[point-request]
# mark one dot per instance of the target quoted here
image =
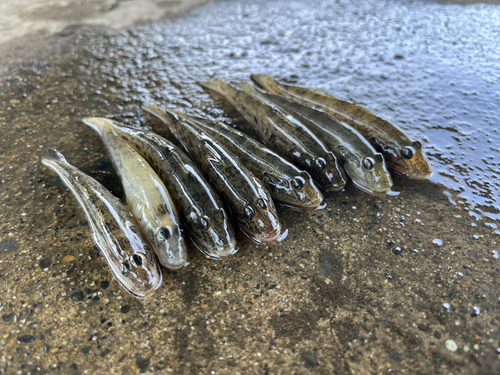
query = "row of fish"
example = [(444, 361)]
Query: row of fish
[(168, 192)]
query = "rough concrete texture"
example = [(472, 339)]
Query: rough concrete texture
[(371, 284)]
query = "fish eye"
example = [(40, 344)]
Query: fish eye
[(138, 259), (368, 163), (163, 234), (408, 152), (320, 164), (125, 269), (261, 203), (205, 220), (298, 183), (249, 212)]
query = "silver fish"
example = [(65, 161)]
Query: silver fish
[(200, 208), (146, 196), (113, 230)]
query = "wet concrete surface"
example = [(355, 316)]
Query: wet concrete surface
[(371, 284)]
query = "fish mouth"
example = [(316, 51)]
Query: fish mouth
[(224, 251), (217, 252), (175, 264), (268, 236), (372, 188)]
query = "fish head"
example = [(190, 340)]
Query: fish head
[(411, 161), (259, 219), (327, 172), (213, 235), (134, 265), (168, 241), (369, 173), (298, 191)]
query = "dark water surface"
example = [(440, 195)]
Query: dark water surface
[(371, 284)]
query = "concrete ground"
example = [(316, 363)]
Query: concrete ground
[(371, 284)]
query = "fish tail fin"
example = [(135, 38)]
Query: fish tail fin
[(161, 114), (54, 157), (245, 86), (263, 80), (97, 123), (216, 85)]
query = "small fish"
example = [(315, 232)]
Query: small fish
[(249, 202), (290, 138), (285, 182), (113, 229), (146, 196), (401, 153), (201, 210), (363, 164)]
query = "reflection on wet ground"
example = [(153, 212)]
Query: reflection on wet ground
[(377, 283)]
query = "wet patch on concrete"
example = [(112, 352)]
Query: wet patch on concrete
[(369, 284)]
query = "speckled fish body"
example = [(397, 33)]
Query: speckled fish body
[(364, 165), (285, 182), (147, 197), (401, 153), (200, 208), (287, 136), (113, 229), (249, 202)]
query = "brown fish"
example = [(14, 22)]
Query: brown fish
[(402, 154), (286, 135), (249, 202), (286, 183)]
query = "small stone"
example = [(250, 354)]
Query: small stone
[(68, 258), (45, 263), (26, 338), (451, 345), (104, 284), (437, 242), (77, 296)]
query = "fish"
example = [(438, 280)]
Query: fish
[(362, 163), (200, 209), (287, 136), (286, 183), (402, 154), (113, 229), (146, 197), (248, 200)]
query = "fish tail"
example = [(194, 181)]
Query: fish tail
[(263, 80), (54, 157), (97, 123), (217, 85), (245, 86), (161, 114)]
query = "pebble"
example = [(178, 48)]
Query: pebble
[(77, 296), (437, 241), (451, 345), (68, 258)]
